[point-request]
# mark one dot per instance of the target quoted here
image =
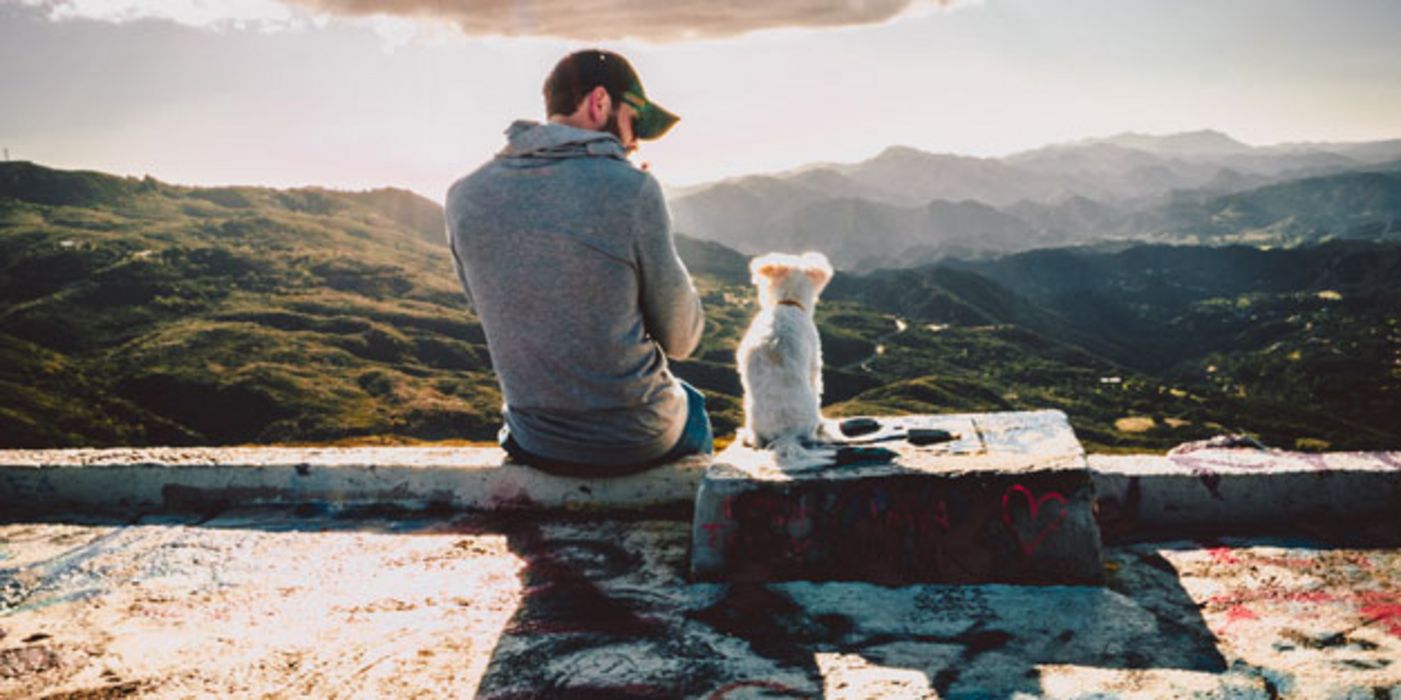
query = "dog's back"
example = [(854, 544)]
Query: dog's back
[(780, 359), (777, 360)]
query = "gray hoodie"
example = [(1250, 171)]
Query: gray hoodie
[(565, 251)]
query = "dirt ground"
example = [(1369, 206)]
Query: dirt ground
[(311, 602)]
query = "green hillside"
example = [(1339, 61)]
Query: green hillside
[(138, 312), (1363, 205)]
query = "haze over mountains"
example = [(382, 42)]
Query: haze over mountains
[(908, 207), (133, 311)]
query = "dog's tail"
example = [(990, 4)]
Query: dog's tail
[(793, 454)]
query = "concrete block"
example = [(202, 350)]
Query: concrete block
[(1009, 499), (1218, 489), (127, 480)]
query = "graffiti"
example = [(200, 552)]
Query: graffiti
[(1209, 466), (1381, 608), (894, 531), (65, 578), (1117, 518), (1034, 504), (1378, 607), (1222, 553), (1031, 434), (1204, 470), (759, 517)]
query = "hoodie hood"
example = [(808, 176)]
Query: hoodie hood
[(531, 139)]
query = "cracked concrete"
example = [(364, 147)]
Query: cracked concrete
[(319, 601)]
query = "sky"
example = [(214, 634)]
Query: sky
[(357, 94)]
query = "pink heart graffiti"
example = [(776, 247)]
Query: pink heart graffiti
[(1034, 504)]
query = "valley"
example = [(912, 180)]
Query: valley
[(135, 312)]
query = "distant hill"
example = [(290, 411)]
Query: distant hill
[(134, 311), (906, 207), (1356, 205)]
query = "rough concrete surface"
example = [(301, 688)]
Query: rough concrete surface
[(126, 479), (1007, 498), (1214, 487), (279, 602)]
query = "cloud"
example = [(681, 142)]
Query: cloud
[(586, 20), (266, 15), (652, 20)]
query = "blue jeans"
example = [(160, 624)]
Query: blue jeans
[(696, 438)]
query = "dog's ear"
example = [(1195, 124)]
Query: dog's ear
[(816, 267), (768, 267)]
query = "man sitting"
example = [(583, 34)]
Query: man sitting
[(565, 250)]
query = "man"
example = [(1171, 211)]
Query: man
[(565, 250)]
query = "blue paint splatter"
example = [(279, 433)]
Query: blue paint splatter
[(40, 584)]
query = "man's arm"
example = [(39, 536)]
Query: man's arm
[(461, 273), (450, 219), (671, 307)]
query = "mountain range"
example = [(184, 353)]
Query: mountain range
[(137, 312), (906, 207)]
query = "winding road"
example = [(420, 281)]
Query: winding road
[(864, 364)]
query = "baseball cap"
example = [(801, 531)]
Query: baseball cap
[(582, 71)]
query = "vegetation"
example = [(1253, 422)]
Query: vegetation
[(138, 312)]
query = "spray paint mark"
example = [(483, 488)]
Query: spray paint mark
[(1223, 555), (1381, 607), (1388, 458), (1240, 612), (1209, 477), (21, 587), (1029, 546)]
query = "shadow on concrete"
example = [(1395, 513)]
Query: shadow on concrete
[(607, 612)]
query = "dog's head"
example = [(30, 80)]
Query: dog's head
[(800, 278)]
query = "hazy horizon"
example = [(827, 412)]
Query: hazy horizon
[(371, 94)]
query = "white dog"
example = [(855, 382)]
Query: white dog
[(780, 360)]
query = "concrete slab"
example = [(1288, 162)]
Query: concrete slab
[(1009, 499), (297, 603), (1221, 489), (133, 480)]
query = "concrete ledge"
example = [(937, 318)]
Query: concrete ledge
[(1009, 500), (1198, 490), (412, 477), (1222, 488)]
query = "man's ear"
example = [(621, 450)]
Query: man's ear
[(600, 105)]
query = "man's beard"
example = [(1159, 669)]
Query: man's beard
[(611, 126)]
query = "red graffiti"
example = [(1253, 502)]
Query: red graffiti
[(1034, 504), (712, 531), (1223, 555), (1381, 607), (1240, 612), (1374, 607), (1242, 597), (941, 515)]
